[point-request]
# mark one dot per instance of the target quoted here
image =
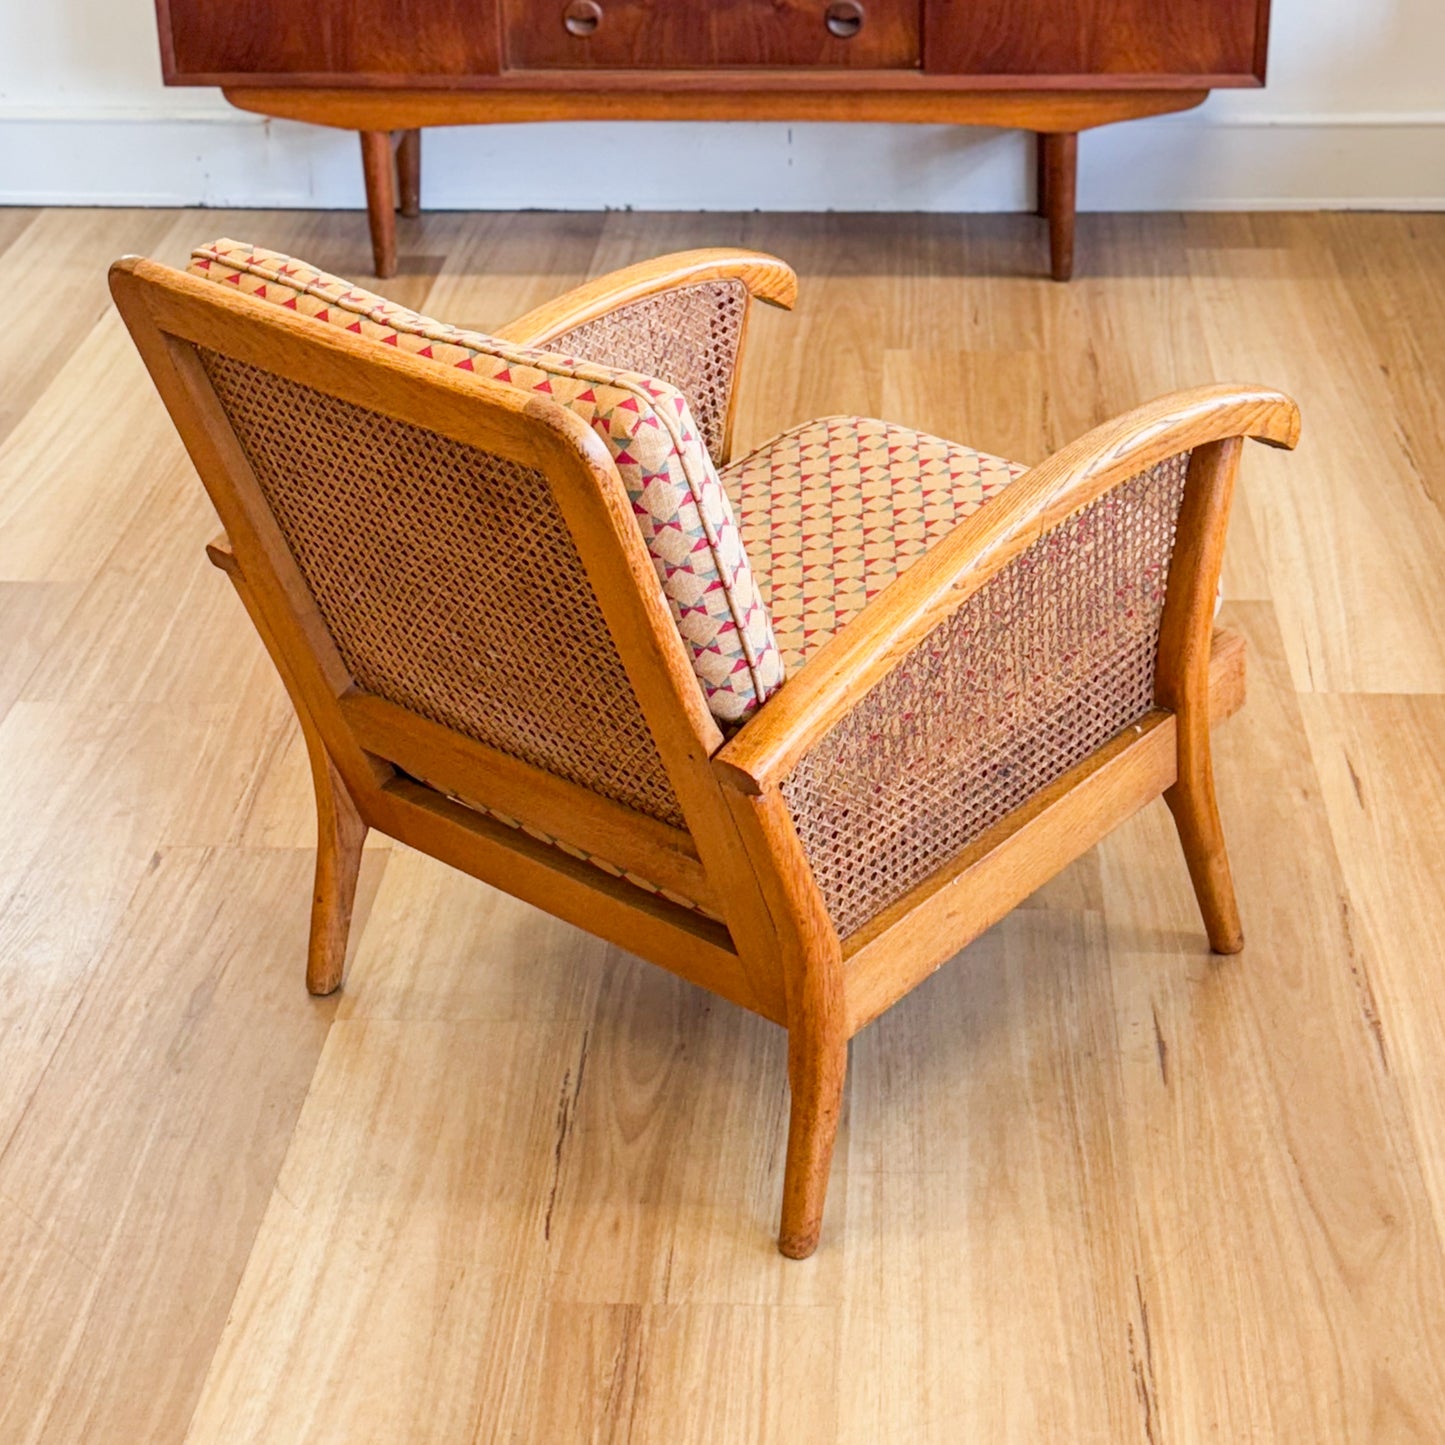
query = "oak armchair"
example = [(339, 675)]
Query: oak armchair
[(797, 729)]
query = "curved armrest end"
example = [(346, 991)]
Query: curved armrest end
[(1164, 427), (766, 277)]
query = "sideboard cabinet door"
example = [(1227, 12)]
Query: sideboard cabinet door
[(1148, 39), (215, 41), (690, 34)]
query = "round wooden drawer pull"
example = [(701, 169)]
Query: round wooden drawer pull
[(582, 17), (844, 18)]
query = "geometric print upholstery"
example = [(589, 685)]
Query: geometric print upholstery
[(833, 510), (680, 505)]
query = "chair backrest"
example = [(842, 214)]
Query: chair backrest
[(660, 453), (446, 569), (448, 581)]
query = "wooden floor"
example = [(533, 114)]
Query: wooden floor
[(513, 1185)]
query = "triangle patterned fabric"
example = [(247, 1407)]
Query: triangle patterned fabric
[(681, 507), (833, 510)]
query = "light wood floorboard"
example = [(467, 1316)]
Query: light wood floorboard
[(1093, 1184)]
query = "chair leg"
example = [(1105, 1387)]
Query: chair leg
[(817, 1069), (1196, 816), (379, 168), (340, 834)]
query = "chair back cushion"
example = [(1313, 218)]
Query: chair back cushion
[(684, 515)]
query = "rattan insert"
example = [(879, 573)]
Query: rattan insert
[(1048, 661), (688, 338), (449, 581)]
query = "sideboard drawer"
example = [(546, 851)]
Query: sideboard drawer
[(1141, 39), (682, 34), (210, 41)]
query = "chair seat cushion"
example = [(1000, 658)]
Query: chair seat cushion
[(681, 507), (833, 510)]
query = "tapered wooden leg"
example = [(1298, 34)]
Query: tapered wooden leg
[(1196, 815), (1060, 169), (340, 829), (408, 172), (1041, 178), (340, 834), (1181, 682), (817, 1069), (380, 171)]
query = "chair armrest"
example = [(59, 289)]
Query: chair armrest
[(765, 277), (680, 318), (837, 678)]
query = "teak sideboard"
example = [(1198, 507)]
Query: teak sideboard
[(388, 68)]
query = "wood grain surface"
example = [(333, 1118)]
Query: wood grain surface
[(1092, 1183)]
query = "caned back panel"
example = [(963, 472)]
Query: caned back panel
[(688, 337), (1045, 663), (449, 582)]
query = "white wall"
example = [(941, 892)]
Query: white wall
[(1354, 115)]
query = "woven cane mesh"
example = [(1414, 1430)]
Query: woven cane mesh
[(1038, 669), (688, 337), (449, 582)]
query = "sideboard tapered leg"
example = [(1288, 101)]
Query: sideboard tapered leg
[(1041, 171), (1060, 167), (408, 172), (380, 171)]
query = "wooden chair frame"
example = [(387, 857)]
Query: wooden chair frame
[(778, 953)]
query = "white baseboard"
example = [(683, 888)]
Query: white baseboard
[(1196, 161)]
